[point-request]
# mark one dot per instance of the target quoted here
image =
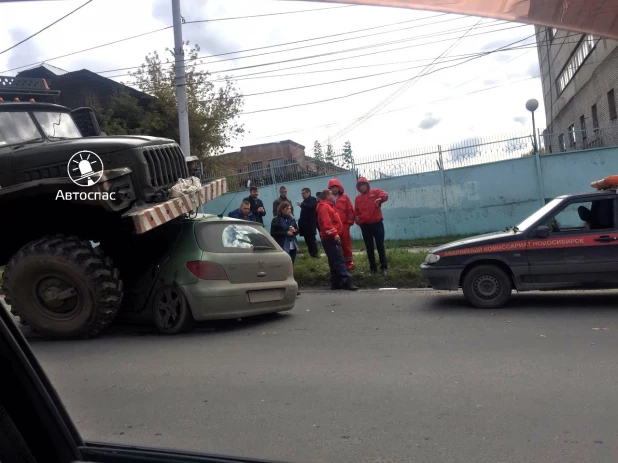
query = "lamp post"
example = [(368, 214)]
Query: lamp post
[(532, 105)]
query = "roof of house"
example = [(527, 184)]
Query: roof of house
[(48, 67)]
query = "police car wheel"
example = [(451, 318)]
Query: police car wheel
[(487, 287)]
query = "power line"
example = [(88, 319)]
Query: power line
[(156, 88), (350, 94), (404, 108), (268, 14), (350, 50), (91, 48), (340, 59), (291, 43), (170, 27), (400, 91), (45, 28), (345, 80)]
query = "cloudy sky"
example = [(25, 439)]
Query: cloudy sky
[(342, 54)]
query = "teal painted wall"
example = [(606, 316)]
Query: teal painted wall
[(479, 199), (270, 192)]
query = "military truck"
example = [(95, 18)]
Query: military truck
[(82, 214)]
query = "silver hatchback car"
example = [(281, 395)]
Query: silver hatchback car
[(221, 268)]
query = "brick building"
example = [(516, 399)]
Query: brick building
[(580, 81), (259, 157), (269, 163)]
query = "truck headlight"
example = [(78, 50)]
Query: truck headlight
[(432, 258)]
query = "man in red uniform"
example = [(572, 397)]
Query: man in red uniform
[(330, 234), (368, 213), (343, 205)]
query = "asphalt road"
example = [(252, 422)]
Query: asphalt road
[(390, 376)]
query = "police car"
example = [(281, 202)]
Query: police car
[(570, 243)]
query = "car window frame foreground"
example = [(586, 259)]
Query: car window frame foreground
[(44, 424)]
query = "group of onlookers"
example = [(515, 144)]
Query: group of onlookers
[(333, 214)]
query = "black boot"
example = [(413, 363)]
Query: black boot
[(350, 287)]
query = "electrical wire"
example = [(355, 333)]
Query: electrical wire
[(45, 28), (292, 49), (241, 77), (170, 27), (505, 48), (268, 14), (402, 108), (400, 91), (346, 51)]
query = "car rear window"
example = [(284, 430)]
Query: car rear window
[(233, 237)]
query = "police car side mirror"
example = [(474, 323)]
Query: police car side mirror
[(542, 231)]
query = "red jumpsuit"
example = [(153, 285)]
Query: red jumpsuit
[(345, 209)]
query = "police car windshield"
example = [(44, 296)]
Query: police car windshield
[(538, 214), (57, 125)]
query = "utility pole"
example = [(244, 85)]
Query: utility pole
[(181, 81)]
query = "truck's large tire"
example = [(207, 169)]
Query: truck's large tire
[(45, 268)]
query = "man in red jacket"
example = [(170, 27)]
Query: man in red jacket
[(368, 213), (331, 229), (343, 205)]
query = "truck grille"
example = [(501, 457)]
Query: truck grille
[(166, 164)]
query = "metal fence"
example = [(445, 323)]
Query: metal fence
[(468, 152), (281, 172)]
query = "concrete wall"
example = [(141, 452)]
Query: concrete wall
[(477, 199)]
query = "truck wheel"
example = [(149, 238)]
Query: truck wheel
[(487, 287), (62, 287), (171, 312)]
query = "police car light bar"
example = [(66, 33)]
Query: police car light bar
[(608, 183), (25, 86)]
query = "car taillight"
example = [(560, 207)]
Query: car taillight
[(207, 270)]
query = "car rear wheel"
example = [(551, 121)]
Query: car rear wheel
[(487, 287), (171, 311)]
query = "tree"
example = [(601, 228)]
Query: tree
[(123, 115), (347, 160), (213, 110), (319, 156), (329, 156)]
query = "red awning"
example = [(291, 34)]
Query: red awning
[(597, 17)]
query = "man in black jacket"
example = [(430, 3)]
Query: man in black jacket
[(283, 196), (307, 223), (257, 206)]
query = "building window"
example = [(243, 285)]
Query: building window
[(572, 139), (611, 102), (561, 142), (576, 61), (256, 165), (551, 31), (595, 118), (582, 126), (239, 170)]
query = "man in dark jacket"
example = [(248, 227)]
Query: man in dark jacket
[(283, 196), (307, 223), (243, 213), (257, 206)]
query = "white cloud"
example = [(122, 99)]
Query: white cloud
[(461, 93)]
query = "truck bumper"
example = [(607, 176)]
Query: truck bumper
[(145, 218)]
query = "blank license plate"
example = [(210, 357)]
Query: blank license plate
[(266, 295)]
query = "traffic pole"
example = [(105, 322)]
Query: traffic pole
[(181, 81)]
